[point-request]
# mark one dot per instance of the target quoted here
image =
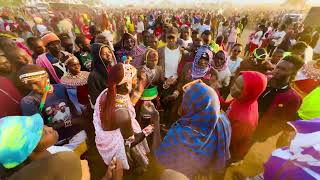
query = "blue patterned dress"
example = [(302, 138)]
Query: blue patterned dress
[(199, 141)]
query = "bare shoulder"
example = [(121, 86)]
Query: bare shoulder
[(122, 116)]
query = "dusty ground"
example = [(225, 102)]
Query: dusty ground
[(96, 164)]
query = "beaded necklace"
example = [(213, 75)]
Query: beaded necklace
[(75, 80)]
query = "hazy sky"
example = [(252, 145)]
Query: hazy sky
[(314, 2)]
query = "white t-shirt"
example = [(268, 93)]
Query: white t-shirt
[(171, 61), (224, 77), (233, 65), (308, 54), (140, 27), (279, 35), (256, 38), (233, 35)]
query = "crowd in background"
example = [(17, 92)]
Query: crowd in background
[(170, 94)]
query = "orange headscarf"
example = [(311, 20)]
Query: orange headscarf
[(48, 38)]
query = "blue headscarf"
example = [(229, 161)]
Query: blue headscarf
[(200, 139), (199, 72), (200, 104), (19, 136)]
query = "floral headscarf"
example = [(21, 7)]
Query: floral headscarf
[(199, 72)]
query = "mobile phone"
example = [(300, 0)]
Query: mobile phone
[(146, 119)]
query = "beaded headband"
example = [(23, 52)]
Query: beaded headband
[(34, 75), (129, 72)]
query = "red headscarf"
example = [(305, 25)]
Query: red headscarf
[(243, 113), (245, 108)]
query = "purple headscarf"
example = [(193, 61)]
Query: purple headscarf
[(199, 72)]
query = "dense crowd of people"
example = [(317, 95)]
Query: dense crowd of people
[(172, 94)]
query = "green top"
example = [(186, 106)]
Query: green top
[(86, 60), (309, 108)]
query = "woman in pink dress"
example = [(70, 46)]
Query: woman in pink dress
[(118, 133)]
